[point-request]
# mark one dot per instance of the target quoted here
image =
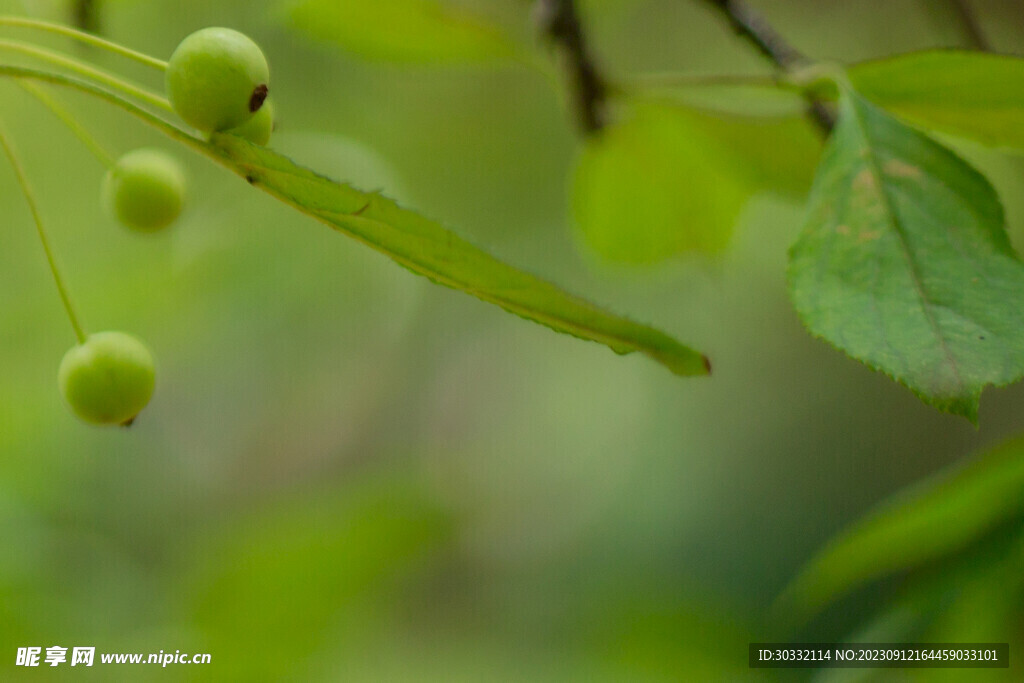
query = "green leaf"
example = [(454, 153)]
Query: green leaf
[(975, 95), (656, 637), (667, 180), (417, 31), (929, 521), (905, 265), (428, 249), (415, 242)]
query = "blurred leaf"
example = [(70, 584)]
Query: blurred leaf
[(668, 180), (929, 521), (648, 189), (971, 94), (660, 642), (905, 265), (402, 30), (281, 580), (428, 249), (774, 154), (973, 596), (986, 604)]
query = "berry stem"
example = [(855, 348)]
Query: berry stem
[(64, 80), (61, 112), (83, 37), (91, 72), (26, 189), (166, 127)]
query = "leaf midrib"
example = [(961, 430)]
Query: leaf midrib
[(871, 162), (661, 345)]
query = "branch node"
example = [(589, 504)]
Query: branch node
[(752, 27)]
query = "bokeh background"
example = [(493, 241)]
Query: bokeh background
[(348, 473)]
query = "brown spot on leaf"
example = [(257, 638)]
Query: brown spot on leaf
[(901, 169), (843, 229), (865, 181), (869, 235)]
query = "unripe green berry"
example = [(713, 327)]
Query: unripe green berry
[(217, 79), (109, 379), (259, 126), (145, 189)]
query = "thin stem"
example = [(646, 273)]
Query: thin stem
[(686, 80), (753, 28), (26, 189), (560, 23), (114, 98), (86, 70), (83, 37), (673, 88), (969, 25), (61, 112)]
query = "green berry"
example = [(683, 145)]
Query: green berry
[(145, 190), (217, 79), (259, 126), (109, 379)]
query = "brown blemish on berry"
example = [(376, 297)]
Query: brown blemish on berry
[(250, 179), (707, 364), (259, 96), (129, 422)]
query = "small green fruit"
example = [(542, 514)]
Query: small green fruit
[(109, 379), (217, 79), (259, 126), (145, 190)]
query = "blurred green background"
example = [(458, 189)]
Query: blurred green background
[(348, 473)]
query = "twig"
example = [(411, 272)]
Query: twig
[(969, 24), (753, 28), (51, 259), (559, 21)]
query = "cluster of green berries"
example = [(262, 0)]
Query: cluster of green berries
[(217, 82)]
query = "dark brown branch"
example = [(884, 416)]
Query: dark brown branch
[(559, 21), (753, 28), (969, 24)]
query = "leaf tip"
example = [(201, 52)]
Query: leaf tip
[(967, 409)]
